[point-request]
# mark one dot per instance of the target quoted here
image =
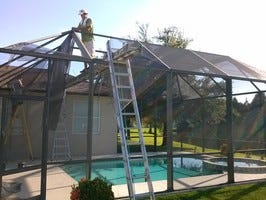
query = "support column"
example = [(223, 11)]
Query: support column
[(155, 114), (3, 123), (169, 110), (45, 134), (262, 105), (264, 124), (229, 131), (90, 121), (203, 129)]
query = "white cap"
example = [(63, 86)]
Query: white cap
[(82, 11)]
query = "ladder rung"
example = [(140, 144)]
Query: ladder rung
[(131, 127), (129, 143), (60, 132), (139, 176), (126, 100), (61, 146), (141, 195), (120, 74), (123, 87), (62, 153), (60, 141), (128, 113), (135, 159), (60, 138)]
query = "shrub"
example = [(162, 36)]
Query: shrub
[(92, 190)]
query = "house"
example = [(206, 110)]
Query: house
[(18, 146), (104, 138)]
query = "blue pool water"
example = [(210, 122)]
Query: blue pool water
[(113, 170)]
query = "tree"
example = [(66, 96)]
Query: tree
[(258, 100), (172, 37), (143, 32)]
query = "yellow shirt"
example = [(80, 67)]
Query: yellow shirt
[(86, 28)]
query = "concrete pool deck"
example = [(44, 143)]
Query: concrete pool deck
[(59, 183)]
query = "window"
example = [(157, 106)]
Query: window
[(80, 117)]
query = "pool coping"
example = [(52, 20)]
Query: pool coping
[(210, 164)]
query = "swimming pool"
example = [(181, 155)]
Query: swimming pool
[(113, 170)]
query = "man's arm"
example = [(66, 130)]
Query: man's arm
[(78, 28)]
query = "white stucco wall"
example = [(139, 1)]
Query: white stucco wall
[(102, 144)]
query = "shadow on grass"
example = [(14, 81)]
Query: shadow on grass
[(228, 193), (246, 191)]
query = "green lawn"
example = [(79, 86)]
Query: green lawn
[(149, 142), (255, 191)]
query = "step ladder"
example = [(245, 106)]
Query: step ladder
[(61, 148), (124, 97)]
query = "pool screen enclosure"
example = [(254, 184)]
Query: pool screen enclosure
[(164, 78)]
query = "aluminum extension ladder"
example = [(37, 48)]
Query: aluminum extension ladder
[(61, 148), (124, 95)]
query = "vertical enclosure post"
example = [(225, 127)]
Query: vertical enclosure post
[(3, 122), (169, 110), (155, 115), (229, 131), (262, 104), (264, 125), (45, 134), (203, 130), (90, 122)]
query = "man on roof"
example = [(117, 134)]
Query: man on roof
[(86, 28)]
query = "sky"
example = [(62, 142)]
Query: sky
[(229, 27)]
